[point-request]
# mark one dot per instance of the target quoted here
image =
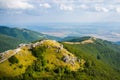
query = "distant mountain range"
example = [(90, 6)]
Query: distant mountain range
[(11, 37), (118, 42), (75, 39)]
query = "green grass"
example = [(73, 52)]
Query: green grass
[(40, 62), (43, 62), (7, 42), (98, 69), (8, 69)]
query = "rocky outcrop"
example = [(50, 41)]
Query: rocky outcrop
[(70, 59)]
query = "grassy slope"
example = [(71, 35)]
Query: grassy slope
[(21, 34), (105, 50), (7, 42), (98, 68), (48, 62), (53, 60), (25, 59), (24, 34), (11, 37), (75, 39)]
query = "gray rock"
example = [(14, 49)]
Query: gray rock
[(78, 60), (48, 47), (66, 59)]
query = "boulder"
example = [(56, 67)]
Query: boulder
[(66, 58)]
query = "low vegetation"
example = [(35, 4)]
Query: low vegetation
[(60, 61), (13, 60), (17, 64)]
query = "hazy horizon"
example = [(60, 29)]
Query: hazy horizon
[(107, 31), (99, 18)]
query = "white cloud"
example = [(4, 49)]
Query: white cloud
[(62, 5), (82, 6), (102, 5), (87, 1), (15, 4), (78, 1), (111, 7), (113, 1), (118, 9), (101, 9), (45, 5), (66, 8)]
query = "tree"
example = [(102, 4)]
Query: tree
[(13, 60)]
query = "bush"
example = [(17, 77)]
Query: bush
[(21, 66), (98, 57), (37, 52), (13, 60)]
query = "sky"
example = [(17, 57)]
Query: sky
[(43, 11)]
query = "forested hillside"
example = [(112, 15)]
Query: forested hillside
[(11, 37)]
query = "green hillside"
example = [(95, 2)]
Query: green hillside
[(11, 37), (46, 59), (17, 64), (102, 49), (88, 59), (7, 42), (75, 39), (102, 57), (22, 34)]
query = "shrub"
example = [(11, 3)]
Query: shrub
[(98, 57), (21, 66), (13, 60), (37, 52)]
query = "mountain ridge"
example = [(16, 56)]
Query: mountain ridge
[(59, 56), (19, 35), (73, 58)]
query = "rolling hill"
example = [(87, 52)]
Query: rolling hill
[(43, 59), (75, 39), (102, 57), (7, 42), (11, 37), (104, 50), (87, 59)]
